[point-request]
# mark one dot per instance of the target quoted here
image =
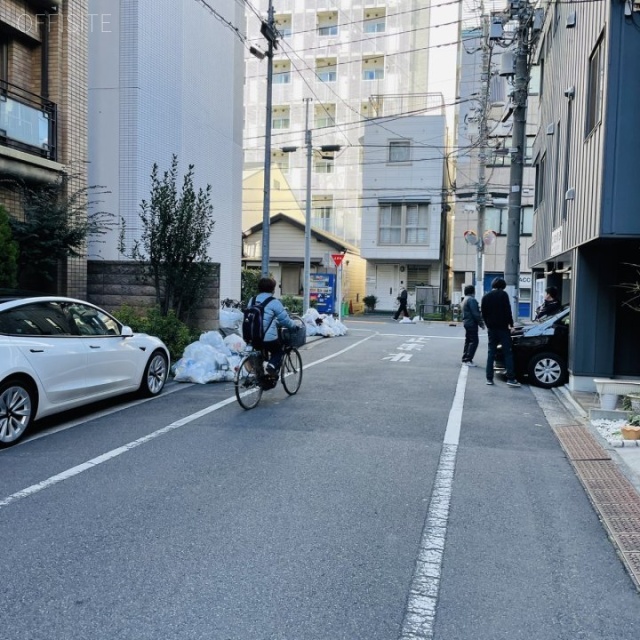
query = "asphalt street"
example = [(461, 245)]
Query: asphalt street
[(395, 497)]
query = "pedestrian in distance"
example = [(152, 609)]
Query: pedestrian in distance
[(471, 321), (275, 315), (551, 304), (402, 299), (496, 313)]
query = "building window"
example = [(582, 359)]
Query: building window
[(327, 22), (418, 276), (497, 219), (283, 24), (280, 159), (540, 181), (400, 151), (281, 118), (374, 20), (325, 115), (373, 68), (535, 80), (404, 224), (323, 165), (500, 155), (596, 87), (4, 58), (322, 213), (281, 72), (326, 69), (528, 151)]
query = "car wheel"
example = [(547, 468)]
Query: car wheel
[(155, 374), (17, 409), (547, 370)]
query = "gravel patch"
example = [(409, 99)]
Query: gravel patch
[(611, 431)]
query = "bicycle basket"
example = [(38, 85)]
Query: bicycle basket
[(294, 338)]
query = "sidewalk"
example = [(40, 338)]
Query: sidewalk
[(610, 475)]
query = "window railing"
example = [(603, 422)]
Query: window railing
[(27, 121)]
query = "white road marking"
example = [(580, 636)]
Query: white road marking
[(114, 453), (420, 616), (398, 357)]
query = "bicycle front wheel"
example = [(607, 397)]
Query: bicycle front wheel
[(291, 371), (248, 387)]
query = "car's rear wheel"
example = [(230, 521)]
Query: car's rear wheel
[(155, 374), (18, 404), (547, 370)]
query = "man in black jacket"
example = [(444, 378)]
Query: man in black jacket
[(471, 321), (402, 299), (496, 312)]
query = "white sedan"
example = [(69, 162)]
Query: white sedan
[(58, 353)]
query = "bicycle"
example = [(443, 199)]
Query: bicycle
[(251, 379)]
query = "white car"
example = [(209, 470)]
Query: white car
[(58, 353)]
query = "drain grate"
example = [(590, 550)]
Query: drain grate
[(623, 509), (611, 496), (597, 470), (579, 444), (633, 561)]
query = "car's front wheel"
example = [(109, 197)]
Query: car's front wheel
[(17, 409), (547, 370), (155, 374)]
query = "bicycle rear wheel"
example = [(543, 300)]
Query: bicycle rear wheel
[(248, 387), (291, 371)]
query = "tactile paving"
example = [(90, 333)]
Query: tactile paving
[(629, 542)]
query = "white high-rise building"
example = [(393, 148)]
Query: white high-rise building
[(166, 77), (347, 61)]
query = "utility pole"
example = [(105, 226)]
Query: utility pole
[(269, 31), (481, 199), (307, 218), (523, 13)]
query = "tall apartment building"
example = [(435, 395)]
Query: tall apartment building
[(168, 79), (355, 61), (43, 108), (492, 102)]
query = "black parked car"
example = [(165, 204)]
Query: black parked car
[(540, 350)]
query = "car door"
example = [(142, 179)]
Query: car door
[(114, 362), (57, 356)]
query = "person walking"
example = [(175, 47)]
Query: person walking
[(402, 299), (496, 313), (471, 321)]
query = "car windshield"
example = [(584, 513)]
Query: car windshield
[(539, 328)]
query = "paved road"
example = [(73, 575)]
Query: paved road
[(395, 497)]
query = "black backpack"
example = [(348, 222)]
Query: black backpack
[(252, 323)]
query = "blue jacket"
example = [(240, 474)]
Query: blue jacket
[(276, 310), (471, 317)]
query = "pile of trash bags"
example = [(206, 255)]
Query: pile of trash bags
[(215, 356)]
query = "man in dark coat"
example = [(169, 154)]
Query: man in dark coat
[(551, 304), (496, 312), (471, 321), (402, 299)]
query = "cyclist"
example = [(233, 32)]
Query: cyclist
[(275, 316)]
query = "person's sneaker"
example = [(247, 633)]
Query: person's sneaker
[(489, 381), (471, 363), (271, 370), (513, 383)]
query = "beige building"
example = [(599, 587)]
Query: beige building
[(43, 110)]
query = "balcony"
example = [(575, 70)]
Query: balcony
[(27, 121)]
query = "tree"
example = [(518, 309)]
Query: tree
[(172, 248), (55, 225), (249, 284), (8, 254)]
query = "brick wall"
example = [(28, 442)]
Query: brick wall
[(111, 284)]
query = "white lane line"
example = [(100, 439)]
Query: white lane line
[(114, 453), (420, 616)]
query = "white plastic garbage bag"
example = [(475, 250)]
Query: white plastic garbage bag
[(230, 318)]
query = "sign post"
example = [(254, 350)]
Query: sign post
[(338, 258)]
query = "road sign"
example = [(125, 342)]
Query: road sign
[(337, 258)]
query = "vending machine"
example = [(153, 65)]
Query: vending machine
[(322, 292)]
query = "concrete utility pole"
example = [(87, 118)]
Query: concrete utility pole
[(481, 198), (269, 31), (307, 225), (521, 90)]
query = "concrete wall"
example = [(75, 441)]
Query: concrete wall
[(111, 284)]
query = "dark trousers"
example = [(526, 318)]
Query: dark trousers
[(401, 309), (503, 337), (275, 351), (471, 341)]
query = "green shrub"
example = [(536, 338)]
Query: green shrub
[(370, 302), (172, 331), (293, 304)]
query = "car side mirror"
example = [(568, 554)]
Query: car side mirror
[(126, 332)]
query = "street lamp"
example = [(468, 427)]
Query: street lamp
[(324, 149)]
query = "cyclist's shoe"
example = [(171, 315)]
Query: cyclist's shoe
[(271, 370)]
